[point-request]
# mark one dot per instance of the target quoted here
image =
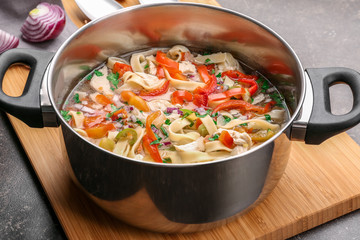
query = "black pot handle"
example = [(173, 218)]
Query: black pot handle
[(26, 107), (322, 123)]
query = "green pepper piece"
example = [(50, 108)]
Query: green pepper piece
[(127, 133)]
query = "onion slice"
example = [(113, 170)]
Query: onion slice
[(44, 22), (7, 41)]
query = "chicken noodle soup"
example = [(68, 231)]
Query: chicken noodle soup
[(175, 106)]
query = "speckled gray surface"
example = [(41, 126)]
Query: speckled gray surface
[(323, 33)]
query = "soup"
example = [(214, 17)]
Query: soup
[(175, 106)]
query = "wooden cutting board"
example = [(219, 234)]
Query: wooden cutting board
[(320, 183)]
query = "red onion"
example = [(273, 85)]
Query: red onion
[(44, 22), (171, 109), (7, 41)]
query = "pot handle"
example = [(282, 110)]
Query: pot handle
[(322, 123), (26, 107)]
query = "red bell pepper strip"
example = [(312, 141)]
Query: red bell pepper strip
[(160, 73), (226, 139), (269, 105), (149, 137), (175, 73), (204, 74), (209, 88), (149, 120), (152, 149), (200, 100), (156, 92), (162, 59), (238, 76), (121, 68), (239, 104), (179, 96), (227, 94)]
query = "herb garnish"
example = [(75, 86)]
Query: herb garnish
[(65, 115), (227, 119), (213, 138), (140, 122), (207, 60), (203, 115), (166, 160), (167, 121), (98, 73), (164, 131), (146, 66), (218, 75), (76, 98), (267, 117), (114, 79), (243, 124), (278, 98)]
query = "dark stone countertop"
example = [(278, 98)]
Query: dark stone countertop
[(323, 33)]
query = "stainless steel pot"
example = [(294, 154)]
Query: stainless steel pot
[(188, 197)]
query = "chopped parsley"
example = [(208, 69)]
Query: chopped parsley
[(215, 114), (140, 123), (167, 121), (278, 98), (207, 60), (264, 84), (76, 98), (98, 73), (186, 113), (78, 112), (163, 130), (114, 79), (157, 141), (146, 66), (227, 119), (166, 160), (89, 77), (243, 124), (213, 71), (203, 115), (267, 117), (65, 115), (218, 75), (213, 138)]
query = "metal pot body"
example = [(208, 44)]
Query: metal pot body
[(188, 197), (164, 197)]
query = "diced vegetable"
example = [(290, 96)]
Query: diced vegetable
[(162, 59), (121, 68), (107, 144), (226, 139), (44, 22), (155, 92), (180, 96), (100, 130), (202, 130), (129, 134), (102, 99), (133, 99)]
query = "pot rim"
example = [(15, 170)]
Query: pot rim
[(228, 11)]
